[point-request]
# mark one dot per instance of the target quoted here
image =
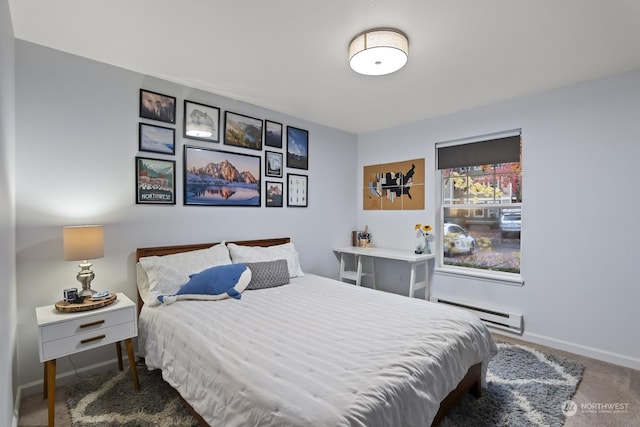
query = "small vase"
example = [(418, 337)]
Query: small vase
[(421, 244), (427, 247)]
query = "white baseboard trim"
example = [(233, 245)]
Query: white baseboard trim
[(61, 379), (594, 353)]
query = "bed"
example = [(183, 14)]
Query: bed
[(310, 352)]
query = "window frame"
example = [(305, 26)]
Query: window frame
[(500, 277)]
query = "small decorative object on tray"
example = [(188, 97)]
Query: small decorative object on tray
[(364, 237), (98, 296), (103, 299)]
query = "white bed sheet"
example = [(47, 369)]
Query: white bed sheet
[(316, 352)]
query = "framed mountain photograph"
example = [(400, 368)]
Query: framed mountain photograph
[(221, 178)]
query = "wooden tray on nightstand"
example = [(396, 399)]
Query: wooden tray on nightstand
[(87, 304)]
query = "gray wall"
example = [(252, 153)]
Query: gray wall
[(77, 137), (8, 365), (579, 239)]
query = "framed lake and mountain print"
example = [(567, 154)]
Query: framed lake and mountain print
[(220, 178)]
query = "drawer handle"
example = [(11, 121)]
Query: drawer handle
[(97, 322), (99, 337)]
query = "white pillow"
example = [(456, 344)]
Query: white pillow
[(270, 253), (166, 274)]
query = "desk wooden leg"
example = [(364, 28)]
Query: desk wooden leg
[(119, 351), (132, 363), (50, 380)]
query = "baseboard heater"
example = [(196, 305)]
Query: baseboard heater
[(491, 317)]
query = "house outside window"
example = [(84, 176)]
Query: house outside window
[(481, 206)]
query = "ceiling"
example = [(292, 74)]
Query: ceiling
[(291, 55)]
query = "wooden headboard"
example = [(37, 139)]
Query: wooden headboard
[(168, 250)]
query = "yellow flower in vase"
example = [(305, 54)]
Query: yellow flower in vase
[(423, 238)]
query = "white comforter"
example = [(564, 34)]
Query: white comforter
[(316, 352)]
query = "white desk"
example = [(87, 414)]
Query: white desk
[(359, 253)]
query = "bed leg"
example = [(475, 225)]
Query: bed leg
[(476, 389), (472, 382)]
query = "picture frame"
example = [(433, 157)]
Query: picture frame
[(273, 194), (156, 106), (272, 134), (155, 181), (242, 131), (221, 178), (297, 190), (273, 164), (297, 148), (156, 139), (201, 122)]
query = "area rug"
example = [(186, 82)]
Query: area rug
[(109, 400), (524, 388)]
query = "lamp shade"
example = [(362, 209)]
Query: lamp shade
[(83, 242), (378, 51)]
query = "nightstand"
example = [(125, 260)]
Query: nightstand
[(62, 334)]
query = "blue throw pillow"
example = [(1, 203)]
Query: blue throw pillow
[(219, 282)]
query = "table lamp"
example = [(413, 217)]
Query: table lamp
[(82, 243)]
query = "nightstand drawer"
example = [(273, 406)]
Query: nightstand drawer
[(91, 323), (87, 340)]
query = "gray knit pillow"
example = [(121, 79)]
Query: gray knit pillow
[(268, 274)]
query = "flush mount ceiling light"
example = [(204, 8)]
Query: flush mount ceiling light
[(378, 51)]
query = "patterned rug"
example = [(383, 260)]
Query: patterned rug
[(109, 400), (524, 388)]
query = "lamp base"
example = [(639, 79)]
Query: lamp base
[(85, 276), (86, 292)]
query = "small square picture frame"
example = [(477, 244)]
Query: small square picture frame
[(273, 194), (272, 134), (156, 139), (155, 181), (297, 190), (273, 164), (156, 106), (201, 122)]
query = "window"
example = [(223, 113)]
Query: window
[(481, 205)]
